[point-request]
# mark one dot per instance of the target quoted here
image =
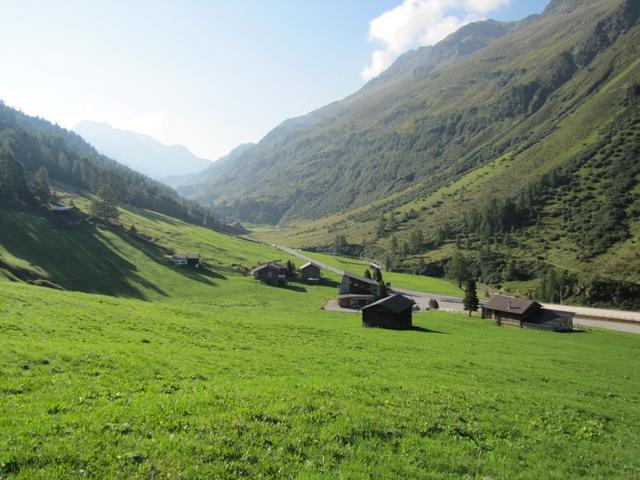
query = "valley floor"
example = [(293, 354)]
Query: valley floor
[(258, 381), (160, 372)]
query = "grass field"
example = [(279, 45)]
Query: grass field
[(401, 280), (180, 374)]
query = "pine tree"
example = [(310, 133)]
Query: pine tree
[(382, 291), (41, 185), (470, 301), (377, 275), (339, 244), (458, 268), (105, 206), (291, 269), (12, 177), (416, 240), (394, 245), (388, 263)]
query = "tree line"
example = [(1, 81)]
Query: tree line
[(35, 143)]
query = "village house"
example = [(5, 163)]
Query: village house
[(524, 313), (190, 259), (356, 292), (310, 272), (394, 312), (271, 273)]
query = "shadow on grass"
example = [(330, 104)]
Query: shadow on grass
[(76, 258), (294, 288), (325, 282), (415, 328), (201, 274)]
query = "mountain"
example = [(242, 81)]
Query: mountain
[(208, 174), (436, 114), (514, 145), (28, 144), (141, 152)]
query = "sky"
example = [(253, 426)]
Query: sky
[(212, 74)]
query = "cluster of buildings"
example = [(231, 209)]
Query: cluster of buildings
[(277, 273), (395, 311), (361, 293)]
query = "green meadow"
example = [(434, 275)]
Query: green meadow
[(144, 370), (407, 281)]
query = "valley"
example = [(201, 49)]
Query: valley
[(436, 276), (196, 373)]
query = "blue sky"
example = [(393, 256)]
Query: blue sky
[(211, 74)]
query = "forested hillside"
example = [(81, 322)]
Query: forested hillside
[(28, 144), (437, 114), (534, 182)]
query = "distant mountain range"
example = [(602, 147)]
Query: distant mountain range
[(184, 183), (141, 152)]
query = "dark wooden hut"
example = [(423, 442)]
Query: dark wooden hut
[(310, 272), (356, 285), (524, 313), (190, 259), (394, 312), (67, 214), (271, 273)]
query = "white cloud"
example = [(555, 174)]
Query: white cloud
[(419, 22)]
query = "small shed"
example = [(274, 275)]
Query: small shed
[(394, 312), (190, 259), (310, 272), (270, 273), (524, 313), (67, 214)]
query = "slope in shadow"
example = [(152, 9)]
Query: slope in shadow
[(76, 258)]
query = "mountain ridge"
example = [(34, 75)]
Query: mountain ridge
[(139, 151), (399, 131)]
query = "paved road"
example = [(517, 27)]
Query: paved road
[(587, 317)]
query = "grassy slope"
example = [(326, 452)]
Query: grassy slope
[(224, 377), (99, 260), (400, 280)]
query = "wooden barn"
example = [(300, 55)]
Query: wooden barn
[(190, 259), (524, 313), (271, 273), (394, 312), (310, 272), (356, 292), (67, 214), (354, 284)]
